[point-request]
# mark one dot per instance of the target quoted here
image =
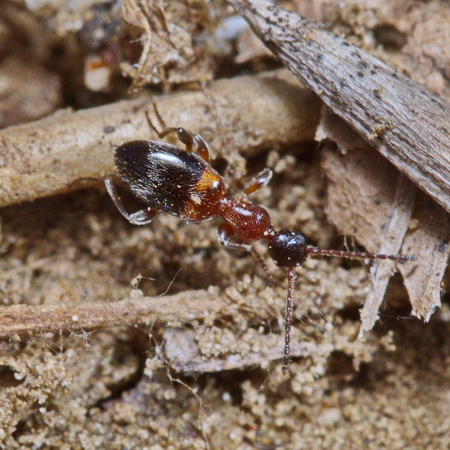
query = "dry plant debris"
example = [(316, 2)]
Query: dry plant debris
[(95, 359), (173, 51), (404, 120), (407, 123), (365, 195)]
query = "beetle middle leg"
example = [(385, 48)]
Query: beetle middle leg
[(226, 234), (141, 217)]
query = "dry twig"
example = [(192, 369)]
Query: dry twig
[(23, 320), (44, 157)]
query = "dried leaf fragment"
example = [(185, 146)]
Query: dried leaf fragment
[(369, 199), (169, 54)]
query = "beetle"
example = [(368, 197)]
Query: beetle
[(183, 183)]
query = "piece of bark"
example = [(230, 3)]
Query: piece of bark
[(404, 121), (361, 187), (45, 157)]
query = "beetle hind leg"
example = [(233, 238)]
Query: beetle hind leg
[(191, 140), (141, 217)]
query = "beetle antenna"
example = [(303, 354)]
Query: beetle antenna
[(288, 319), (314, 251)]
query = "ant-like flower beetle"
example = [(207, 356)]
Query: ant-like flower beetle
[(183, 183)]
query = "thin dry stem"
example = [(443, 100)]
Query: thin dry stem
[(24, 321)]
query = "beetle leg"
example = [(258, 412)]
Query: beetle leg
[(226, 233), (190, 140), (258, 181), (142, 217)]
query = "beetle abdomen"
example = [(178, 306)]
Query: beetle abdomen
[(170, 179)]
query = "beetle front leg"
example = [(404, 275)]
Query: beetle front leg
[(142, 217), (225, 235), (258, 181)]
